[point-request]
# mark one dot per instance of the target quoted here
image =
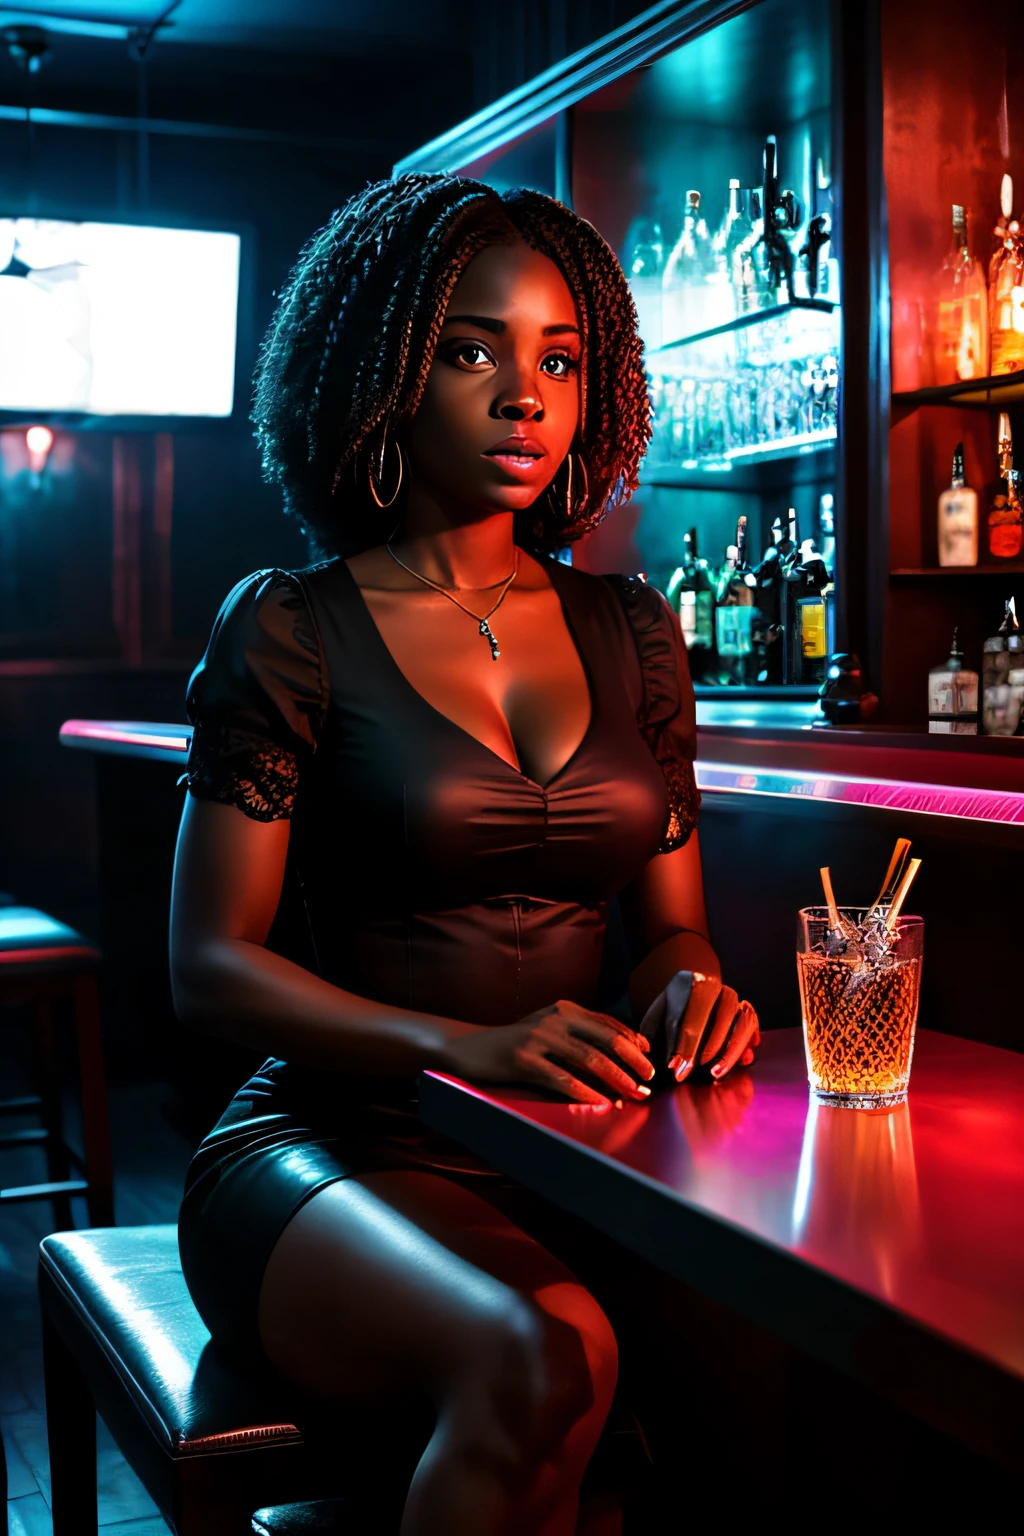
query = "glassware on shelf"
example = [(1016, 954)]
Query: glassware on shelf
[(764, 391), (959, 320), (1006, 290), (1005, 524)]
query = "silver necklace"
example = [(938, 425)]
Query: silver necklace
[(485, 628)]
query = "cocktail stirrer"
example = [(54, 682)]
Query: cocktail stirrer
[(830, 900), (892, 876), (902, 892)]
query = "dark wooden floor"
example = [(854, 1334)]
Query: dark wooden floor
[(150, 1157)]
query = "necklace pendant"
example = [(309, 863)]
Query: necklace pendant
[(486, 631)]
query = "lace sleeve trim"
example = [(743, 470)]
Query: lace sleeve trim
[(258, 777), (663, 669)]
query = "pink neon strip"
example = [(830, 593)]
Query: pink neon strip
[(128, 738), (883, 794)]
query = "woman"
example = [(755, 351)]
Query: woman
[(444, 754)]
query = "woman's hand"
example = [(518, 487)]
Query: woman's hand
[(544, 1049), (709, 1026)]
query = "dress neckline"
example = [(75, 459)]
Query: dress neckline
[(396, 670)]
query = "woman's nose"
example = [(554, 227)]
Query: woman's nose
[(519, 407)]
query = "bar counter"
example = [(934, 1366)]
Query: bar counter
[(781, 798), (889, 1245)]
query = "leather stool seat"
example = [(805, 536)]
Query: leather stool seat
[(211, 1441), (43, 962), (32, 942)]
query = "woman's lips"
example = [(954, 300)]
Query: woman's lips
[(521, 456)]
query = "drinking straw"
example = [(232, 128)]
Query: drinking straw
[(892, 875), (830, 900), (901, 894)]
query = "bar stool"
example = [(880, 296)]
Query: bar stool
[(43, 962)]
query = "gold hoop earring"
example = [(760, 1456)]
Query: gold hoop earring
[(380, 473), (571, 506)]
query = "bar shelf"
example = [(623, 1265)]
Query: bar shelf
[(741, 323), (999, 389), (925, 572), (707, 471)]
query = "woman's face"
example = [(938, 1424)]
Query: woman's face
[(501, 403)]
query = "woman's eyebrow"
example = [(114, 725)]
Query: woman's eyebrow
[(497, 327)]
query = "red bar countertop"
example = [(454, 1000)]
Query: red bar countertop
[(895, 1240)]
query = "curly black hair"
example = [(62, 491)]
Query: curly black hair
[(348, 351)]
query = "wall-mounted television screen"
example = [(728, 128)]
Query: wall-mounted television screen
[(117, 319)]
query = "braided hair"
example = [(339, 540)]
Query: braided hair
[(348, 351)]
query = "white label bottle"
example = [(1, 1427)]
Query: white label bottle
[(958, 518)]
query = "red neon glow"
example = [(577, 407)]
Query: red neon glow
[(95, 731)]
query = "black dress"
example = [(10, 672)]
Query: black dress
[(423, 870)]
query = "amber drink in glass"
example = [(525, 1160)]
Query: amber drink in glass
[(859, 1002)]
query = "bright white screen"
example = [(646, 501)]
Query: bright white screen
[(117, 319)]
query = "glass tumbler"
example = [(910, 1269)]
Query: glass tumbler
[(859, 1010)]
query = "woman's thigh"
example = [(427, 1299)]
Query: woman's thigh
[(406, 1280)]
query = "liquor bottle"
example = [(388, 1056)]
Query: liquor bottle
[(1003, 654), (690, 592), (827, 530), (721, 300), (958, 518), (734, 615), (1006, 292), (645, 263), (1005, 527), (959, 318), (953, 696), (683, 285), (746, 268)]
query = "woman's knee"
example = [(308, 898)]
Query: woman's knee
[(537, 1368)]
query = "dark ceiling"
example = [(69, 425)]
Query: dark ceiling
[(344, 71)]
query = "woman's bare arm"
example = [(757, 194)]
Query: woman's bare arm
[(666, 923), (228, 873)]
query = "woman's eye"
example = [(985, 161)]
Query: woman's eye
[(471, 354), (559, 365)]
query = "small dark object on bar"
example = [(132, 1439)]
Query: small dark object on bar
[(844, 699), (662, 1022)]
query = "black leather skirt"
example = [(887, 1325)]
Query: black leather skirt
[(287, 1134)]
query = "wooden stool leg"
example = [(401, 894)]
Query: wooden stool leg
[(95, 1121), (71, 1434), (57, 1161)]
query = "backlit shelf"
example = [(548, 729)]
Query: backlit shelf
[(708, 470), (1002, 389), (924, 572), (741, 323)]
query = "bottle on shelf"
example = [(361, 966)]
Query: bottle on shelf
[(721, 301), (1003, 655), (1005, 525), (953, 696), (683, 283), (690, 592), (827, 530), (1006, 291), (746, 265), (645, 262), (958, 518), (781, 213), (735, 612), (959, 319)]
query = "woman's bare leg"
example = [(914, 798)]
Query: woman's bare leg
[(406, 1280)]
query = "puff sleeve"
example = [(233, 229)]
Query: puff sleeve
[(257, 699), (667, 713)]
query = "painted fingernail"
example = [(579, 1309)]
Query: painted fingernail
[(650, 1071), (674, 1063), (717, 1071), (643, 1088), (681, 1070), (617, 1104)]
